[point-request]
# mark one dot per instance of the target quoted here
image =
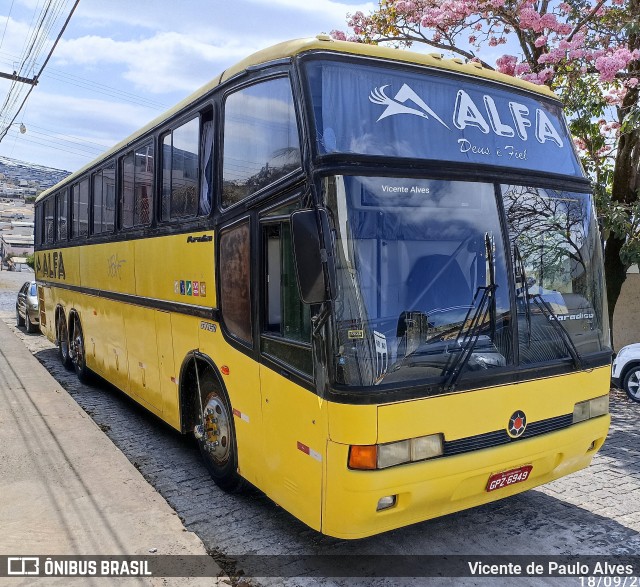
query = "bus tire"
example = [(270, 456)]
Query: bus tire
[(218, 447), (77, 350), (19, 319), (62, 334)]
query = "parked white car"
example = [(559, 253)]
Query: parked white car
[(626, 370)]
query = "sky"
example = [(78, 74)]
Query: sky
[(121, 63)]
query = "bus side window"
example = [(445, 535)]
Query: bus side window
[(264, 112), (49, 220), (235, 280), (180, 151), (136, 173), (143, 184), (61, 213), (126, 191), (109, 197), (97, 203), (80, 208)]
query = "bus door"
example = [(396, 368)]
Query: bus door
[(237, 361), (294, 429)]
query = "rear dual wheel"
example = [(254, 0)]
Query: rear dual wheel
[(62, 334), (77, 350)]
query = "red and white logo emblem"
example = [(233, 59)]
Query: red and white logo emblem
[(517, 424)]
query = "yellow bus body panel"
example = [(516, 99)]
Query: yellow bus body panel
[(440, 486), (353, 424), (295, 432), (138, 349), (162, 263), (243, 386)]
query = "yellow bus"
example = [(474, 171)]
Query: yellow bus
[(368, 281)]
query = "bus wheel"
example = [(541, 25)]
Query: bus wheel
[(77, 351), (63, 342), (19, 319), (215, 434)]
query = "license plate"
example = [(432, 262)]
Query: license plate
[(506, 478)]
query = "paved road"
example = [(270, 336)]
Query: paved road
[(596, 511)]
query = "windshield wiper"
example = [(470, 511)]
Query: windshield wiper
[(476, 320), (551, 316), (524, 289)]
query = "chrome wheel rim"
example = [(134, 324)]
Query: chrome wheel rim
[(217, 429)]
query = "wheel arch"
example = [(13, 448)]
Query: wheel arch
[(187, 388)]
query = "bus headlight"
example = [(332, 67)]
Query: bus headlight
[(381, 456), (592, 408), (394, 453)]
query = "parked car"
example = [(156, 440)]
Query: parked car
[(626, 370), (27, 311)]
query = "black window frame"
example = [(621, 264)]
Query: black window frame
[(50, 202), (245, 343), (75, 210), (169, 132), (276, 75), (64, 192), (120, 186), (38, 226), (276, 345)]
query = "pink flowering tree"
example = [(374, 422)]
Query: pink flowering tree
[(587, 51)]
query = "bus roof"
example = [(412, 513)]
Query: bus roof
[(295, 47)]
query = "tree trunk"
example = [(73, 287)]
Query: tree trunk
[(615, 274), (625, 190)]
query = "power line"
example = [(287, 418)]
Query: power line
[(55, 44), (54, 132), (6, 23), (92, 86), (47, 143), (55, 139)]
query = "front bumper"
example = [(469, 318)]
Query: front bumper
[(441, 486)]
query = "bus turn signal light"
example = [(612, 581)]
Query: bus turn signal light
[(363, 457), (381, 456)]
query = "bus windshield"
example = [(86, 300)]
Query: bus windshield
[(422, 278)]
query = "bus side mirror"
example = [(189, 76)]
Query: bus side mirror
[(313, 260)]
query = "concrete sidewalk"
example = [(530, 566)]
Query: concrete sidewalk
[(64, 487)]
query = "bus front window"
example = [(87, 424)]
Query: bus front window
[(419, 263), (554, 236)]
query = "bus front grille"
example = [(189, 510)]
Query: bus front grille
[(499, 437)]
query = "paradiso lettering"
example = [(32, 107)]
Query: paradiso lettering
[(50, 264)]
